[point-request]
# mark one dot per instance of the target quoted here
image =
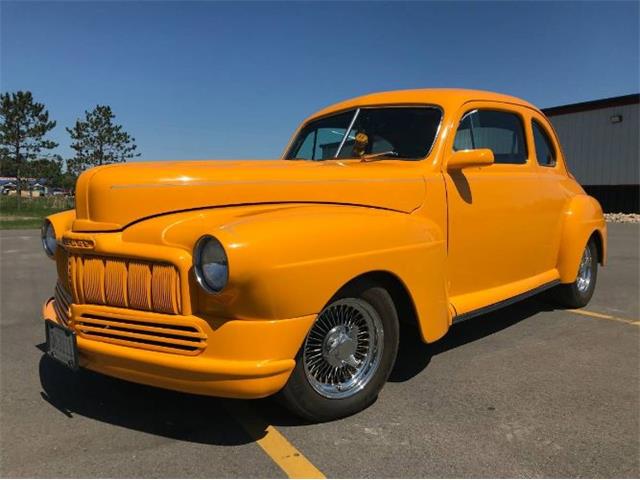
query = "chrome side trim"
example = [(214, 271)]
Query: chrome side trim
[(265, 182)]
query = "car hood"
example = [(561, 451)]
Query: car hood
[(113, 196)]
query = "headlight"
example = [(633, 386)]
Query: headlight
[(49, 242), (210, 264)]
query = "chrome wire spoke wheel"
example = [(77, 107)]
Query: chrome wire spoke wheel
[(343, 349), (585, 271)]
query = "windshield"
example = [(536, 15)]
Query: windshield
[(405, 133)]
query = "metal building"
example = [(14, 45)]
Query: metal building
[(600, 140)]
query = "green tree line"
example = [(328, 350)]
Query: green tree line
[(25, 150)]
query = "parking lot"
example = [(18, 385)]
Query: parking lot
[(525, 391)]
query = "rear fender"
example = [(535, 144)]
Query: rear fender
[(582, 219)]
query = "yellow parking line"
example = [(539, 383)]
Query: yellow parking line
[(292, 462), (604, 316)]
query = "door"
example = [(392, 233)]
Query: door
[(494, 240)]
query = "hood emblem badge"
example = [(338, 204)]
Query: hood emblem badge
[(79, 243)]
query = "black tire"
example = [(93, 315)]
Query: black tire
[(570, 295), (300, 397)]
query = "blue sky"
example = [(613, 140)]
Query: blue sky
[(233, 80)]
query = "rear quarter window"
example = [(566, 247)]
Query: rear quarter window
[(545, 151)]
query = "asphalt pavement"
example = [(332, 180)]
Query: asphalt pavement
[(525, 391)]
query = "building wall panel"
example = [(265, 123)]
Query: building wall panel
[(599, 152)]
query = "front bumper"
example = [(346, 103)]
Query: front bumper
[(243, 358)]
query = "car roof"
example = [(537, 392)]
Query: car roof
[(448, 98)]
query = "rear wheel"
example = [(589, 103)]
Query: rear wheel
[(578, 293), (347, 356)]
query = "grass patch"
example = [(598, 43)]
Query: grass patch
[(8, 223), (30, 212)]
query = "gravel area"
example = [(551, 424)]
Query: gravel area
[(622, 217)]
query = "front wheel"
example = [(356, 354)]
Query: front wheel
[(578, 293), (347, 356)]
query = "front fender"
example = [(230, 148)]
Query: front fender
[(582, 218), (62, 221), (287, 261)]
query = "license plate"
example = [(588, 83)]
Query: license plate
[(61, 344)]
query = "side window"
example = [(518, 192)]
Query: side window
[(545, 153), (500, 132)]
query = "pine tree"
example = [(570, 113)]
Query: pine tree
[(23, 127), (97, 140)]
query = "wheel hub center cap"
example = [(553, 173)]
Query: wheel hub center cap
[(339, 346)]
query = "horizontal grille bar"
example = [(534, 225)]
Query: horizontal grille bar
[(170, 332), (164, 337)]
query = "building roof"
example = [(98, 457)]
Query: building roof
[(632, 99), (30, 181)]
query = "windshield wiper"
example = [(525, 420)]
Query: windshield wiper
[(372, 157), (346, 134)]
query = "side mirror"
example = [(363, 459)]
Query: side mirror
[(470, 158)]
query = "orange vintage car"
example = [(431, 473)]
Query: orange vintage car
[(248, 278)]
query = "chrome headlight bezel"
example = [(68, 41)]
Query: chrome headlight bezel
[(48, 238), (208, 284)]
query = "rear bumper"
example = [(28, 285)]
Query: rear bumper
[(243, 359)]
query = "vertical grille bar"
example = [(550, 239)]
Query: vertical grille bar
[(163, 289), (62, 266), (121, 283), (115, 283), (139, 285), (61, 303), (76, 268), (93, 280)]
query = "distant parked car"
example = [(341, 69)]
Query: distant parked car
[(247, 278)]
